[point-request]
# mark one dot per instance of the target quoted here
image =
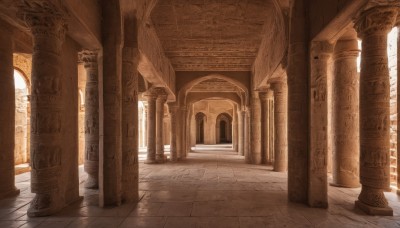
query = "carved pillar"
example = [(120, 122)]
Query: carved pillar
[(130, 61), (91, 124), (271, 131), (298, 104), (145, 113), (265, 98), (161, 99), (255, 129), (48, 29), (173, 109), (373, 26), (346, 131), (247, 137), (318, 166), (183, 133), (280, 119), (151, 127), (398, 102), (235, 129), (7, 115)]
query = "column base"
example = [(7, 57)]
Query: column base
[(8, 194), (398, 191), (43, 205), (384, 211), (91, 183), (343, 186)]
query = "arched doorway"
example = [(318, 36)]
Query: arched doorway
[(21, 151), (224, 128), (200, 119)]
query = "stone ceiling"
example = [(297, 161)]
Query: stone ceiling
[(211, 35), (215, 85)]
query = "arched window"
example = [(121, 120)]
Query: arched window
[(200, 120)]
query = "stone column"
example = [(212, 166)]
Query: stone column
[(130, 147), (373, 26), (398, 102), (318, 166), (271, 130), (183, 132), (265, 125), (173, 109), (161, 99), (7, 114), (151, 127), (145, 118), (247, 137), (255, 129), (235, 129), (346, 130), (240, 131), (91, 124), (298, 104), (280, 119)]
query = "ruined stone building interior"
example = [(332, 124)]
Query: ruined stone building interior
[(199, 113)]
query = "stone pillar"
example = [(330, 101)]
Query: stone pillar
[(173, 109), (91, 124), (235, 129), (145, 118), (318, 158), (240, 133), (298, 104), (7, 115), (161, 99), (346, 130), (110, 170), (54, 113), (183, 133), (372, 26), (151, 127), (247, 137), (271, 130), (280, 119), (255, 129), (130, 61), (398, 102), (265, 125)]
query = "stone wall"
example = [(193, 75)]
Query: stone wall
[(21, 126)]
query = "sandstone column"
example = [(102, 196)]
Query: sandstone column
[(235, 134), (280, 119), (173, 109), (151, 126), (145, 118), (130, 61), (346, 135), (398, 102), (271, 130), (298, 104), (265, 125), (7, 114), (247, 137), (318, 166), (373, 26), (91, 124), (48, 29), (161, 99), (183, 118), (255, 129)]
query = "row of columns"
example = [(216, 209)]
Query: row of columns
[(361, 132)]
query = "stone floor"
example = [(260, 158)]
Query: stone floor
[(213, 188)]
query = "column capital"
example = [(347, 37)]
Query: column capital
[(321, 50), (266, 95), (346, 49), (44, 18), (377, 19), (278, 85), (89, 58)]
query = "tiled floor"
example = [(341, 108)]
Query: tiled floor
[(210, 189)]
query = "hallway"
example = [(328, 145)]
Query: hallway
[(213, 188)]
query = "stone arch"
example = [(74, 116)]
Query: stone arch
[(223, 128), (243, 92)]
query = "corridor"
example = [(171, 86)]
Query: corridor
[(212, 188)]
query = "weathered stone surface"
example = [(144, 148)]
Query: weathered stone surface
[(160, 102), (346, 130), (267, 126), (372, 26), (255, 144), (151, 127)]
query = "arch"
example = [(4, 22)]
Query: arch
[(223, 128), (243, 92)]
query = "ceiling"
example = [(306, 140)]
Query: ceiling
[(215, 85), (211, 35)]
